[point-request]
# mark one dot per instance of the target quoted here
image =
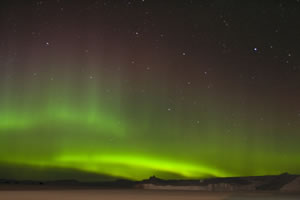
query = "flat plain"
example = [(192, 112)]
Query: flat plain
[(93, 194)]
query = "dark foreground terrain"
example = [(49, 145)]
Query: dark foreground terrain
[(281, 187), (135, 194), (277, 183)]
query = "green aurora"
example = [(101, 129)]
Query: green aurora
[(80, 130), (101, 90)]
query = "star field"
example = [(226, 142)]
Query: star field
[(135, 88)]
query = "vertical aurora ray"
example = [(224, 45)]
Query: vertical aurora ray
[(73, 124), (99, 141), (126, 90), (91, 136)]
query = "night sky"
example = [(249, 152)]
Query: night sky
[(104, 89)]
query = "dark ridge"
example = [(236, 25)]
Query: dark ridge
[(277, 182), (256, 183), (71, 183)]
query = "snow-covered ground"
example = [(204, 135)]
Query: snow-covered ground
[(138, 195)]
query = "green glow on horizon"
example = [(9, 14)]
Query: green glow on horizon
[(139, 163), (128, 166), (92, 132)]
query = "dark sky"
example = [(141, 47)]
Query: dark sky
[(132, 88)]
